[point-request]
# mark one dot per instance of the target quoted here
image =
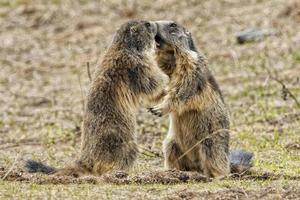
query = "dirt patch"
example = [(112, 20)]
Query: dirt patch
[(239, 193), (183, 194), (292, 10), (20, 175), (159, 177), (154, 177)]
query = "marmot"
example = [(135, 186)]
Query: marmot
[(128, 75), (198, 136)]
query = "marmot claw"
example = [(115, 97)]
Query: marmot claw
[(155, 112)]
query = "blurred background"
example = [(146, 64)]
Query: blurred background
[(253, 48)]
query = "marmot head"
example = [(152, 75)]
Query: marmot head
[(136, 35), (170, 33)]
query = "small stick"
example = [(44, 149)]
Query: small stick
[(144, 150), (285, 88), (81, 91), (88, 70), (11, 168)]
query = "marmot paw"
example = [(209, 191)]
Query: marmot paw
[(155, 112)]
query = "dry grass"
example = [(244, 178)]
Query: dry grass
[(45, 46)]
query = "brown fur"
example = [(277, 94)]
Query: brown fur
[(128, 75), (198, 137), (124, 78)]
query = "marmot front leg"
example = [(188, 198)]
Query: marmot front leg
[(183, 86), (161, 109), (179, 93), (158, 97)]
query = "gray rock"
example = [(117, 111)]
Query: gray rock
[(253, 34)]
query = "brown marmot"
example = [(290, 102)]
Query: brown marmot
[(128, 75), (198, 137)]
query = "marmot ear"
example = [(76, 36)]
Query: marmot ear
[(188, 34), (191, 42)]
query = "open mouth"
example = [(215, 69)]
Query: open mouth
[(158, 41)]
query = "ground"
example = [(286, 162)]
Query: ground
[(45, 48)]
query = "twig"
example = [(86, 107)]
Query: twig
[(286, 90), (144, 150), (145, 154), (88, 70), (11, 168), (239, 174), (17, 145), (284, 87), (81, 91)]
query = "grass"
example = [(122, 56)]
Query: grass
[(113, 191), (45, 46)]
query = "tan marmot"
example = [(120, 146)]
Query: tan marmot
[(127, 76), (198, 137)]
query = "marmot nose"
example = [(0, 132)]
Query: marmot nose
[(154, 27)]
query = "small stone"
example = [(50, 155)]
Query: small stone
[(253, 34)]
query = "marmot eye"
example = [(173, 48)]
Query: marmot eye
[(147, 24), (173, 25)]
